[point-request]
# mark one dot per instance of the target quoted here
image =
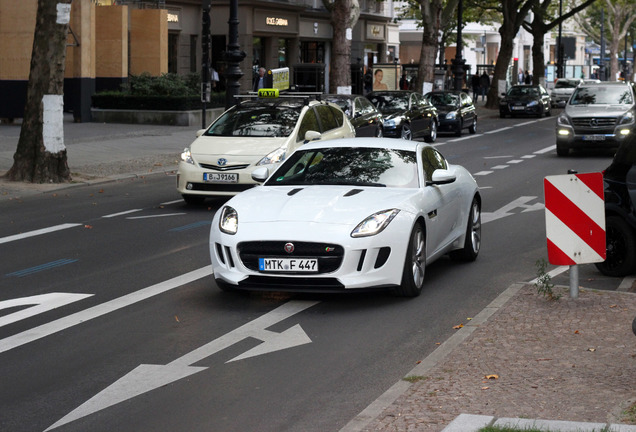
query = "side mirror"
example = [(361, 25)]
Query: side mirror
[(260, 174), (200, 132), (311, 135), (441, 176)]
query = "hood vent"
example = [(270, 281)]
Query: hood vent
[(353, 192), (294, 191)]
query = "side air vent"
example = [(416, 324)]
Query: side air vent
[(294, 191)]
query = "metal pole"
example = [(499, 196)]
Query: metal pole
[(601, 58), (574, 281), (205, 60), (559, 44), (234, 57)]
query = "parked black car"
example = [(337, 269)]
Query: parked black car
[(407, 114), (455, 109), (620, 212), (364, 117), (525, 99)]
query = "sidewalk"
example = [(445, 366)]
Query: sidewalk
[(523, 357)]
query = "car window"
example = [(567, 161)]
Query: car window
[(308, 122), (365, 105), (327, 118), (566, 83), (345, 105), (338, 115), (263, 121), (431, 161), (602, 95), (377, 167), (386, 102)]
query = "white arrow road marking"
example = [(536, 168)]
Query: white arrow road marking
[(44, 330), (504, 211), (38, 304), (145, 378)]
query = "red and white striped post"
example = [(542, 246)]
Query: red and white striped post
[(575, 221)]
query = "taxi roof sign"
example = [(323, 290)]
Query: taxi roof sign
[(268, 93)]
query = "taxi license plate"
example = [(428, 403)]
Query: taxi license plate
[(288, 264), (220, 178), (593, 137)]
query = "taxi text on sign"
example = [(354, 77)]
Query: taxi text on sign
[(575, 218)]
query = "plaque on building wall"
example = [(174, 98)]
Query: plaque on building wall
[(375, 31)]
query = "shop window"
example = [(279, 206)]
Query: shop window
[(312, 52), (193, 53), (173, 52), (283, 49)]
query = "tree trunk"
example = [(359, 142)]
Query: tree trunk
[(344, 15), (501, 67), (538, 59), (41, 155), (431, 13)]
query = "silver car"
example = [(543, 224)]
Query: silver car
[(598, 115), (563, 89)]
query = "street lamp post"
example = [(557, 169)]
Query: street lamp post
[(559, 52), (458, 61), (234, 56)]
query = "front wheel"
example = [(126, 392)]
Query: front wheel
[(406, 133), (378, 132), (458, 131), (562, 150), (473, 127), (472, 243), (193, 199), (620, 254), (414, 264), (432, 134)]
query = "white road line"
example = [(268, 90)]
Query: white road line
[(545, 150), (557, 271), (514, 161), (498, 167), (122, 213), (528, 156), (172, 202), (482, 173), (498, 130), (37, 232), (525, 124), (497, 157), (156, 216), (44, 330)]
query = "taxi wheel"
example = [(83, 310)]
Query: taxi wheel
[(193, 199), (620, 259), (379, 133), (473, 127), (406, 133), (460, 126)]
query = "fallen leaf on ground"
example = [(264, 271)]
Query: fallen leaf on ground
[(88, 226), (591, 349), (493, 376), (457, 327)]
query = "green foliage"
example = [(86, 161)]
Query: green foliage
[(544, 283), (167, 92)]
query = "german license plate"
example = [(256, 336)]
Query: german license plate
[(518, 108), (288, 264), (220, 178), (593, 137)]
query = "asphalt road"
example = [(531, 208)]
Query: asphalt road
[(138, 337)]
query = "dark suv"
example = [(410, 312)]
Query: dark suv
[(620, 214), (598, 115)]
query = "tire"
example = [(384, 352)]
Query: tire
[(458, 131), (549, 113), (406, 133), (501, 115), (379, 133), (473, 127), (193, 199), (562, 150), (472, 243), (414, 264), (432, 135), (620, 257)]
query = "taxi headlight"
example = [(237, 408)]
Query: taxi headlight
[(375, 223), (276, 156), (228, 223), (186, 156), (391, 123), (451, 115)]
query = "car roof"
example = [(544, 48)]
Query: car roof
[(390, 143), (605, 84)]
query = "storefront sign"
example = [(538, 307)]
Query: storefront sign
[(273, 21), (375, 31)]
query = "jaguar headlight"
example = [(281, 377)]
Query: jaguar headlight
[(375, 223), (276, 156), (451, 115), (186, 156), (228, 223), (533, 103)]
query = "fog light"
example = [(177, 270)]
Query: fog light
[(564, 132), (624, 132), (189, 186)]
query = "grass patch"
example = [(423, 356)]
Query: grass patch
[(516, 429), (415, 378), (629, 415)]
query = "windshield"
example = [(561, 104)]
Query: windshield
[(348, 166), (260, 121), (610, 95), (566, 84), (439, 99), (516, 92), (343, 104), (390, 102)]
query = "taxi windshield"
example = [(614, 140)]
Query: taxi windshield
[(376, 167), (258, 121)]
